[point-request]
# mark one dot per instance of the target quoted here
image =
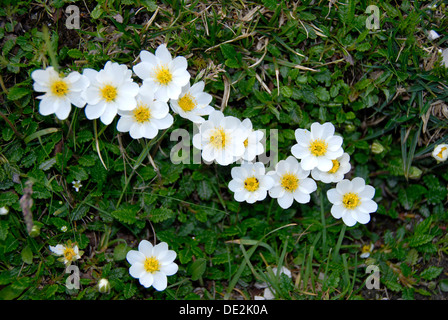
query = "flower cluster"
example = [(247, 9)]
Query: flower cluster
[(321, 157), (143, 108)]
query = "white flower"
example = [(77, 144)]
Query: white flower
[(316, 148), (366, 250), (147, 118), (352, 201), (249, 182), (111, 90), (60, 92), (152, 264), (252, 145), (220, 138), (161, 71), (3, 211), (193, 103), (77, 185), (340, 167), (291, 183), (68, 252), (440, 152)]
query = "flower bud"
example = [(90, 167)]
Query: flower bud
[(35, 231), (414, 172), (4, 210), (377, 147), (104, 286)]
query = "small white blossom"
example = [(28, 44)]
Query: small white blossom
[(60, 92), (352, 201), (152, 264), (440, 152), (166, 75), (316, 148)]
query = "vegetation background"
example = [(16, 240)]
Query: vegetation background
[(284, 65)]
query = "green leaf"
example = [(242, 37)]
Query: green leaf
[(75, 53), (161, 214), (420, 239), (27, 255), (46, 165), (8, 198), (16, 92), (126, 213), (228, 51), (431, 273), (197, 269), (120, 251)]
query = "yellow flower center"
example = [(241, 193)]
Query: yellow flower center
[(251, 184), (318, 147), (142, 113), (218, 139), (246, 142), (151, 265), (187, 102), (440, 154), (336, 166), (163, 75), (289, 182), (69, 254), (365, 248), (350, 200), (108, 93), (59, 88)]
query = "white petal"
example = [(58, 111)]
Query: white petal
[(309, 163), (286, 201), (124, 124), (160, 281), (367, 193), (109, 114), (146, 248), (368, 206), (169, 269), (163, 54), (363, 217), (134, 256), (324, 164), (301, 197), (337, 211), (348, 219), (334, 196), (137, 270), (64, 109), (307, 185), (147, 280)]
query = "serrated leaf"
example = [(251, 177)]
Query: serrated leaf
[(431, 273), (126, 213), (161, 214), (15, 93), (120, 251), (420, 239), (46, 165), (204, 189), (8, 199), (74, 53)]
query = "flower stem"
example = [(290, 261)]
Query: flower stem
[(324, 226), (339, 243)]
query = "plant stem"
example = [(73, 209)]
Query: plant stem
[(338, 244), (324, 226)]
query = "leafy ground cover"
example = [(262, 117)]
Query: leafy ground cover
[(284, 65)]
